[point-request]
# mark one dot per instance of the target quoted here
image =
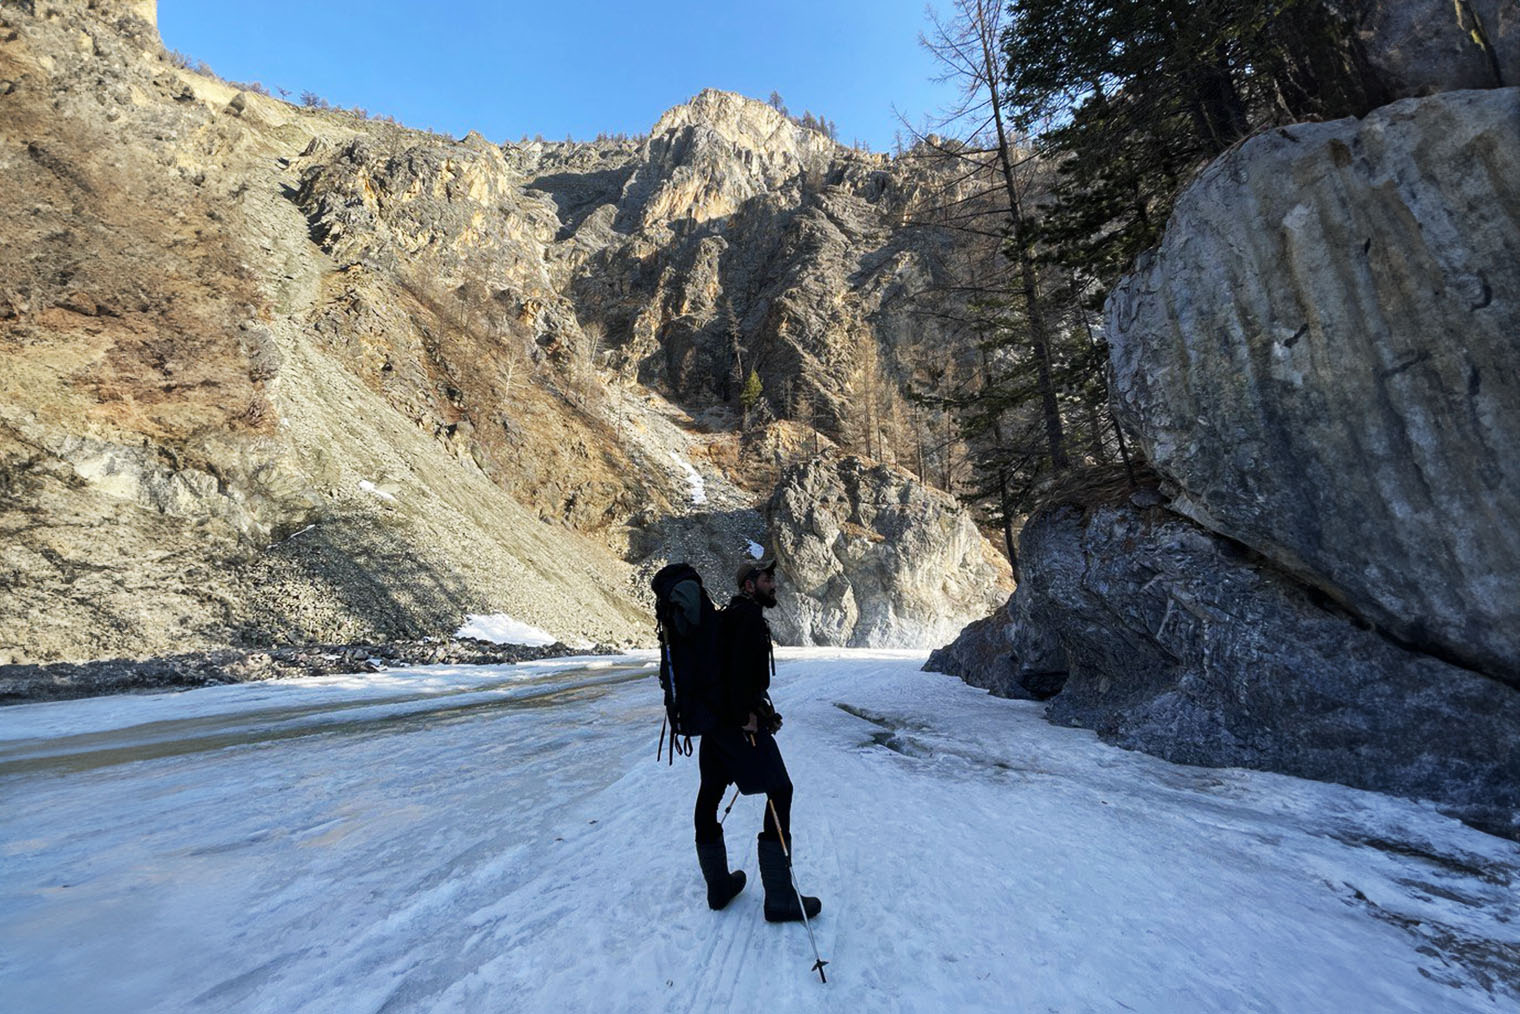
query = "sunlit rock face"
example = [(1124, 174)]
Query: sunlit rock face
[(731, 224), (706, 158), (1322, 356), (288, 373), (868, 557)]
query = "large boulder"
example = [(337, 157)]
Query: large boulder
[(1323, 356), (1182, 643), (870, 557)]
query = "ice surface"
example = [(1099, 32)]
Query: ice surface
[(503, 839)]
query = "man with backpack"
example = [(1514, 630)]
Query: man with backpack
[(746, 740), (716, 670)]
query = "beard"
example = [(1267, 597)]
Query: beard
[(766, 599)]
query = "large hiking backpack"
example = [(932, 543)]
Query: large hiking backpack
[(688, 659)]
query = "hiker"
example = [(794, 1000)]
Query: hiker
[(741, 750)]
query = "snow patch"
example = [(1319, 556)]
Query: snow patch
[(503, 629), (756, 550), (374, 490), (693, 478)]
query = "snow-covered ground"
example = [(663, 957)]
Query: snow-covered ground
[(503, 839)]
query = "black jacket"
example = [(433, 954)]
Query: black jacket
[(745, 659)]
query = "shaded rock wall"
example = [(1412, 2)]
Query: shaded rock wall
[(1181, 644), (982, 654), (1421, 47), (1165, 637)]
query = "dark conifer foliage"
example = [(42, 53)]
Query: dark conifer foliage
[(1132, 97)]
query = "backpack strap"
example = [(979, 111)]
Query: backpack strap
[(672, 703)]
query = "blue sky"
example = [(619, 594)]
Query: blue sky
[(576, 67)]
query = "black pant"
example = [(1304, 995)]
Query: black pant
[(753, 762)]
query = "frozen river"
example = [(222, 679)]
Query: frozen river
[(502, 839)]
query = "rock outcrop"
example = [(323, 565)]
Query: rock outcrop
[(704, 160), (1320, 360), (1010, 653), (981, 654), (742, 241), (868, 557), (1322, 356), (1181, 643)]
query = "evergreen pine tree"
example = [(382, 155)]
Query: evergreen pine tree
[(750, 398)]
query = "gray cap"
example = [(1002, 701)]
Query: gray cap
[(750, 568)]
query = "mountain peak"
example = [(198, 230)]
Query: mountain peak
[(746, 123)]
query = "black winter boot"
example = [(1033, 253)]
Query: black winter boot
[(780, 897), (722, 884)]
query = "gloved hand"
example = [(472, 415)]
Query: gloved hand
[(767, 717)]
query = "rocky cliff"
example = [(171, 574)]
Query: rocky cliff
[(1328, 370), (193, 454), (874, 559), (1320, 362), (281, 374), (741, 241)]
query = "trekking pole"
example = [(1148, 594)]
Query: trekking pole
[(729, 807), (818, 963)]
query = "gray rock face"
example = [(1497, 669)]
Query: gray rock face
[(868, 557), (1420, 47), (981, 654), (1181, 645), (1323, 356), (706, 158), (1010, 653)]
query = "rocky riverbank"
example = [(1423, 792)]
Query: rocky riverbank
[(23, 684)]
